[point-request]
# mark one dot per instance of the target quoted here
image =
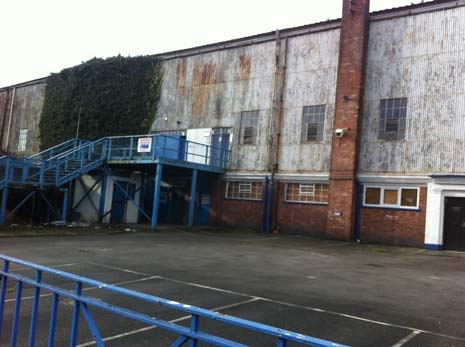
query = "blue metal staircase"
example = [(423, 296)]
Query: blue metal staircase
[(59, 165)]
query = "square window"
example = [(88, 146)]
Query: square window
[(373, 196), (307, 190), (390, 196), (245, 188), (409, 197)]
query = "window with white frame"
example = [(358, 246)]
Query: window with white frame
[(246, 190), (313, 122), (249, 128), (307, 193), (22, 140), (392, 120), (392, 197)]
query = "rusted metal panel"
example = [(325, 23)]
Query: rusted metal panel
[(420, 57), (211, 90), (310, 80), (27, 108)]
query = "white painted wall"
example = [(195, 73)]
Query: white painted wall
[(87, 211), (437, 191)]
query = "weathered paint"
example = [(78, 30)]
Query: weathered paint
[(211, 90), (310, 80), (25, 109), (420, 57)]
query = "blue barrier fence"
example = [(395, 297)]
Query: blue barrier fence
[(84, 303)]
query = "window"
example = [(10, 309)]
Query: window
[(392, 121), (393, 197), (306, 192), (249, 125), (244, 190), (170, 132), (313, 122), (22, 140)]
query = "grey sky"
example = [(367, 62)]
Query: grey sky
[(43, 36)]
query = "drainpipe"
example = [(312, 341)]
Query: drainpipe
[(4, 116), (11, 115), (274, 196)]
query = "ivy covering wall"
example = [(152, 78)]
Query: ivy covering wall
[(116, 96)]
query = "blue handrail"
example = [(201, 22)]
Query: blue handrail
[(84, 303), (64, 162)]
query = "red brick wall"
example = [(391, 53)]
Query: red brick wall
[(303, 218), (238, 213), (349, 97), (396, 227)]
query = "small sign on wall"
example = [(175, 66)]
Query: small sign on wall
[(144, 144)]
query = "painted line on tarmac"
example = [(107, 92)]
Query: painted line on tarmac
[(309, 308), (137, 331), (407, 338), (89, 288), (52, 266)]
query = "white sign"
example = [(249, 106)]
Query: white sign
[(144, 144)]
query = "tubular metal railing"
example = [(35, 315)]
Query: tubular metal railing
[(84, 303), (64, 162)]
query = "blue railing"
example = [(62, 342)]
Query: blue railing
[(64, 162), (84, 303), (167, 147), (58, 149)]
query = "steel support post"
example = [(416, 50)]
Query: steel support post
[(192, 201), (64, 210), (103, 192), (156, 196), (3, 207)]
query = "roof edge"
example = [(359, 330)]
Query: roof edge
[(24, 84)]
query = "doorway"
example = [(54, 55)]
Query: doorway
[(454, 224), (119, 201)]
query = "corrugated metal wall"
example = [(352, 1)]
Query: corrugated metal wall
[(420, 57), (26, 102), (212, 89), (311, 75)]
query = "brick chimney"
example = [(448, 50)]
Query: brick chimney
[(349, 101)]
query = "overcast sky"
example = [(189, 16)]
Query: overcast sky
[(44, 36)]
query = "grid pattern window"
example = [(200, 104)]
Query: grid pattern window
[(392, 121), (316, 193), (392, 197), (22, 140), (313, 122), (170, 132), (249, 128), (245, 190)]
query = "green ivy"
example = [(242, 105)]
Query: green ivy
[(116, 96)]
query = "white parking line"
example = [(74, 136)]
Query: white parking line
[(137, 331), (89, 288), (52, 266), (406, 339), (309, 308)]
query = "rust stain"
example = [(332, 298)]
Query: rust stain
[(204, 73), (244, 67), (204, 77), (181, 69)]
